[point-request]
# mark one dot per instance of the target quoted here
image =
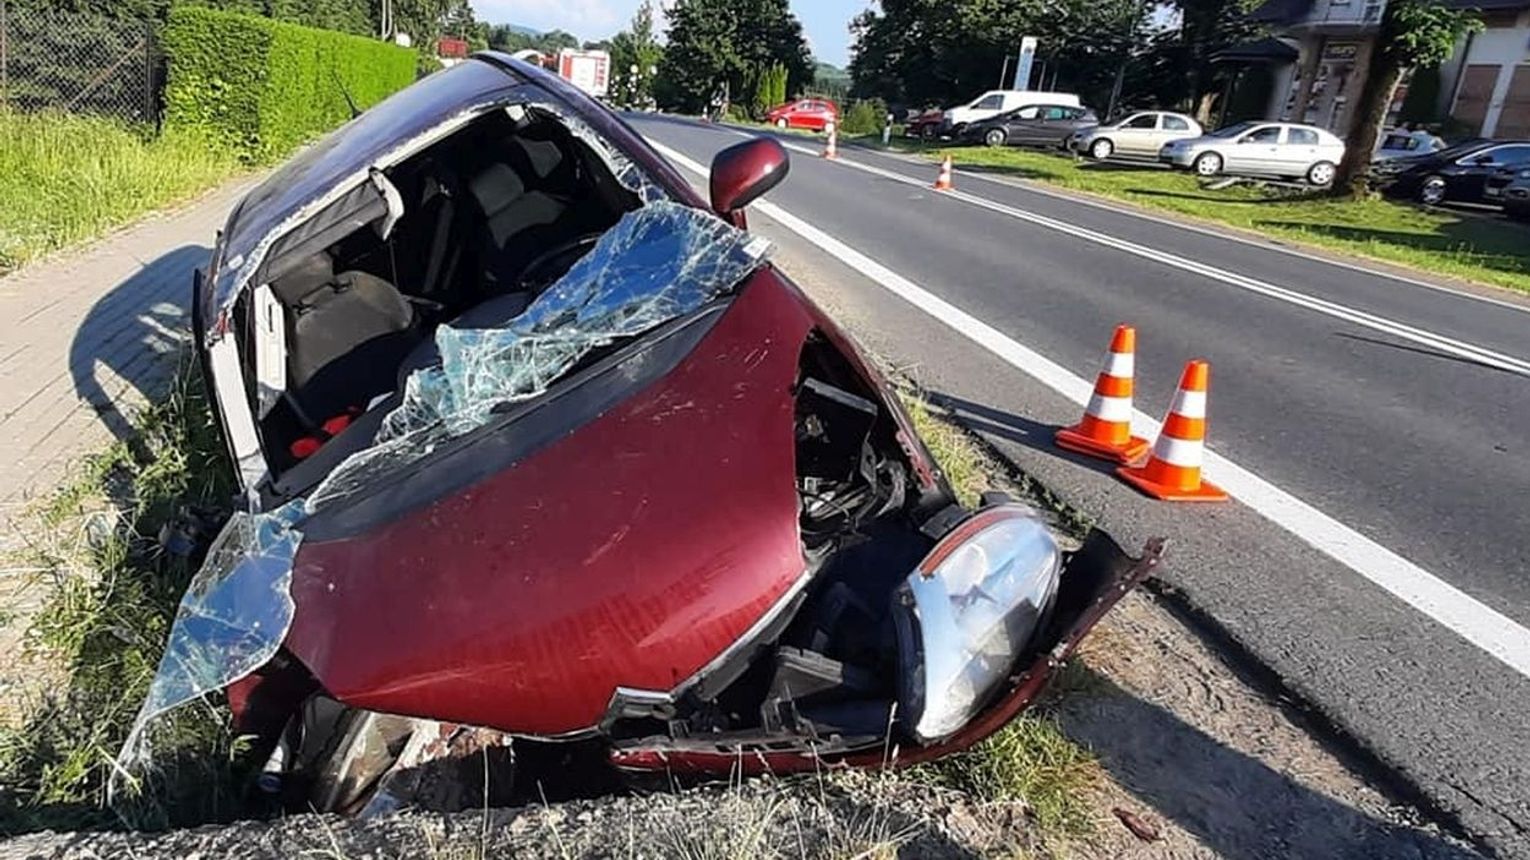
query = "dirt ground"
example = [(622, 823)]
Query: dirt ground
[(1221, 768)]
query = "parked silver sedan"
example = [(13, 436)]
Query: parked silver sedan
[(1140, 134), (1280, 149)]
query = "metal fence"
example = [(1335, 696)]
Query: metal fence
[(77, 63)]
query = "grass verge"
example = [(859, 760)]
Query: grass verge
[(65, 178), (114, 590), (1442, 241)]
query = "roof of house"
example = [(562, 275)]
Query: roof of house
[(1267, 50)]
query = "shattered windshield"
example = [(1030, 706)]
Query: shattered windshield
[(659, 262)]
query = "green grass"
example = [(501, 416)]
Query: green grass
[(1441, 241), (66, 179), (1032, 761), (114, 594)]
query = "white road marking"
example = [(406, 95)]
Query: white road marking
[(1457, 611), (1423, 337)]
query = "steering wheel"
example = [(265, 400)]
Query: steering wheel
[(543, 270)]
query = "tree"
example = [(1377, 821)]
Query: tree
[(1414, 33), (635, 55), (921, 52), (769, 90), (715, 44)]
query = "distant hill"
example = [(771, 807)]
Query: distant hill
[(831, 80)]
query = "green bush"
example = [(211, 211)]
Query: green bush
[(263, 87), (864, 117)]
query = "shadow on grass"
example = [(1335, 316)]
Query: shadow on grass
[(1014, 428), (1231, 802), (1499, 246), (1207, 195)]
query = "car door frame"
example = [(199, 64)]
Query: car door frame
[(1164, 135), (1257, 158), (1137, 142), (1021, 131)]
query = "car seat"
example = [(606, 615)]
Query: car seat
[(346, 335)]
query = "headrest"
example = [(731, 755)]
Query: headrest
[(302, 277), (496, 187)]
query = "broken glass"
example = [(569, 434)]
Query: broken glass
[(658, 263), (232, 619)]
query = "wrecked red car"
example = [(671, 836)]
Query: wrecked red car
[(543, 460)]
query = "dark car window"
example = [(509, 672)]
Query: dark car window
[(1055, 113), (1303, 137), (1174, 123), (990, 103), (1399, 141), (1147, 121), (1503, 156), (1268, 134), (1026, 113)]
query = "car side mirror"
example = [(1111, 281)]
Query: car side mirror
[(744, 172)]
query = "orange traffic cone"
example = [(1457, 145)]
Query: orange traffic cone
[(1106, 431), (1173, 472), (943, 181), (831, 150)]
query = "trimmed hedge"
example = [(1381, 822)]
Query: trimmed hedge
[(263, 87)]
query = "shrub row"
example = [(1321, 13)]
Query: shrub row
[(262, 87)]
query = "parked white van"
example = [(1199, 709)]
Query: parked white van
[(995, 102)]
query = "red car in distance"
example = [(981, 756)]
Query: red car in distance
[(814, 114)]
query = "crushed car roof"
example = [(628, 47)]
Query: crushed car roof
[(325, 176)]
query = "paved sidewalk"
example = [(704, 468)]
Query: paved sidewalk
[(87, 336)]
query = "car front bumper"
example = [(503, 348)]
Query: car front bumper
[(1177, 157)]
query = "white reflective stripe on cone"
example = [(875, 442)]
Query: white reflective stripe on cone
[(1191, 404), (1179, 452), (1120, 365), (1117, 409)]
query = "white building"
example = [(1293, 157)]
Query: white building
[(1484, 86)]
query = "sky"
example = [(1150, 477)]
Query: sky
[(826, 22)]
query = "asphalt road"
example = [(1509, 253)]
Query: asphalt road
[(1396, 409)]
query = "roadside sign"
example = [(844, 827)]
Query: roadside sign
[(1023, 68)]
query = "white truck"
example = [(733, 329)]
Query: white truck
[(995, 102), (588, 70)]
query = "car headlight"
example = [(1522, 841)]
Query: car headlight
[(967, 614), (1524, 174)]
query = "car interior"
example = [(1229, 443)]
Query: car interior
[(492, 215)]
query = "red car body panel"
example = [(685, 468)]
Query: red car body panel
[(523, 602), (816, 115)]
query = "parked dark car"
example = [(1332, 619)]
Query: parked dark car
[(1510, 187), (1457, 173), (544, 466), (1032, 125)]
